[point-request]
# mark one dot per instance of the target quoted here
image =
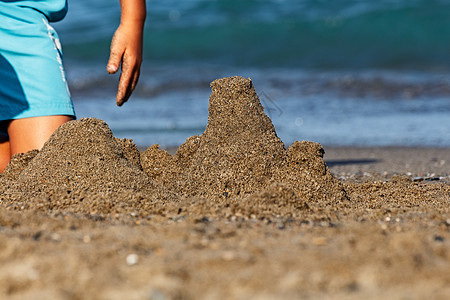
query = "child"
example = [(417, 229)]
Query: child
[(34, 98)]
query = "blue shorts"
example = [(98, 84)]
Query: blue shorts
[(32, 77)]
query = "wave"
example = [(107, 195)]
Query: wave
[(291, 33)]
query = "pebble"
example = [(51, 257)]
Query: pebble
[(86, 239), (383, 226), (132, 259), (228, 256), (281, 226), (319, 241), (55, 237), (434, 178), (439, 238)]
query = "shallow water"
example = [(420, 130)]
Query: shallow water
[(388, 34)]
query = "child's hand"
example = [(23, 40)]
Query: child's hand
[(126, 48)]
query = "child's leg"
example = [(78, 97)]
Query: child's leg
[(27, 134), (5, 155), (31, 133)]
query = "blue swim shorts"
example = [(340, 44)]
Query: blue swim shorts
[(32, 77)]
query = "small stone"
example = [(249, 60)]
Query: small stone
[(132, 259), (204, 242), (86, 239), (434, 178), (319, 241), (438, 238), (55, 237), (228, 256)]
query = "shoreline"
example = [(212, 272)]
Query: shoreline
[(394, 160)]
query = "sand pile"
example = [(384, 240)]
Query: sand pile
[(237, 166), (236, 155), (84, 155), (82, 168), (240, 154)]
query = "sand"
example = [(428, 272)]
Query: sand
[(231, 214)]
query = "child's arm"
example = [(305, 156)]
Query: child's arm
[(126, 47)]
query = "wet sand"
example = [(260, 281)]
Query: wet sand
[(231, 214)]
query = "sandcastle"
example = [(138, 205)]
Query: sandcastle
[(238, 162), (240, 153)]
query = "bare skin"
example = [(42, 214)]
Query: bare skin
[(126, 52), (126, 47), (5, 155), (28, 134)]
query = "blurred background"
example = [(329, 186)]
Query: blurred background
[(341, 72)]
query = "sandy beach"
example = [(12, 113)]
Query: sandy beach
[(230, 214)]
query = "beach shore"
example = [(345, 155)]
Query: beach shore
[(230, 214), (426, 163)]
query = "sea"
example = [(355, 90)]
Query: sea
[(340, 73)]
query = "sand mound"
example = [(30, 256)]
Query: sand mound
[(82, 168), (84, 156), (240, 154), (236, 154)]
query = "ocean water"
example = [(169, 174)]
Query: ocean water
[(344, 72)]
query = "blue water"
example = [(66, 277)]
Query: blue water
[(336, 72)]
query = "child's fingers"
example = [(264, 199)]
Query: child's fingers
[(126, 50), (127, 82), (125, 91), (115, 56), (113, 63), (135, 79)]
